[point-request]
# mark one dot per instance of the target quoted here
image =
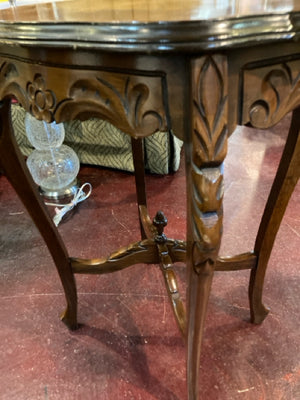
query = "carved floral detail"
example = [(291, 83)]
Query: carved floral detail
[(278, 93), (209, 140), (133, 103), (42, 101)]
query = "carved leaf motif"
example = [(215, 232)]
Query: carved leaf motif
[(120, 101), (207, 228), (206, 210), (207, 193), (209, 146), (8, 71), (279, 93), (9, 83), (132, 102), (210, 105), (209, 100)]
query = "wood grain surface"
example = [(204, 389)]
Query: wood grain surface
[(139, 10)]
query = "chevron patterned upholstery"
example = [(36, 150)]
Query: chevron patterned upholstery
[(97, 142)]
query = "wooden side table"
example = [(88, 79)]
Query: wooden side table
[(169, 69)]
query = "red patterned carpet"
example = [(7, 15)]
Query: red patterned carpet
[(128, 345)]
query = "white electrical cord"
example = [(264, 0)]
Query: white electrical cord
[(79, 196)]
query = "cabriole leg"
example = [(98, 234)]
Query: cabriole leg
[(284, 183), (13, 165)]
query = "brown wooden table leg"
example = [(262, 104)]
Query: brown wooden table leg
[(137, 146), (285, 181), (13, 165), (204, 154)]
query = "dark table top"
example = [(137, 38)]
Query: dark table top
[(149, 25)]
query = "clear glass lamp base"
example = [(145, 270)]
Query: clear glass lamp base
[(63, 195)]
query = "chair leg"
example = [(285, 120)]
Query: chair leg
[(13, 165), (284, 183)]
